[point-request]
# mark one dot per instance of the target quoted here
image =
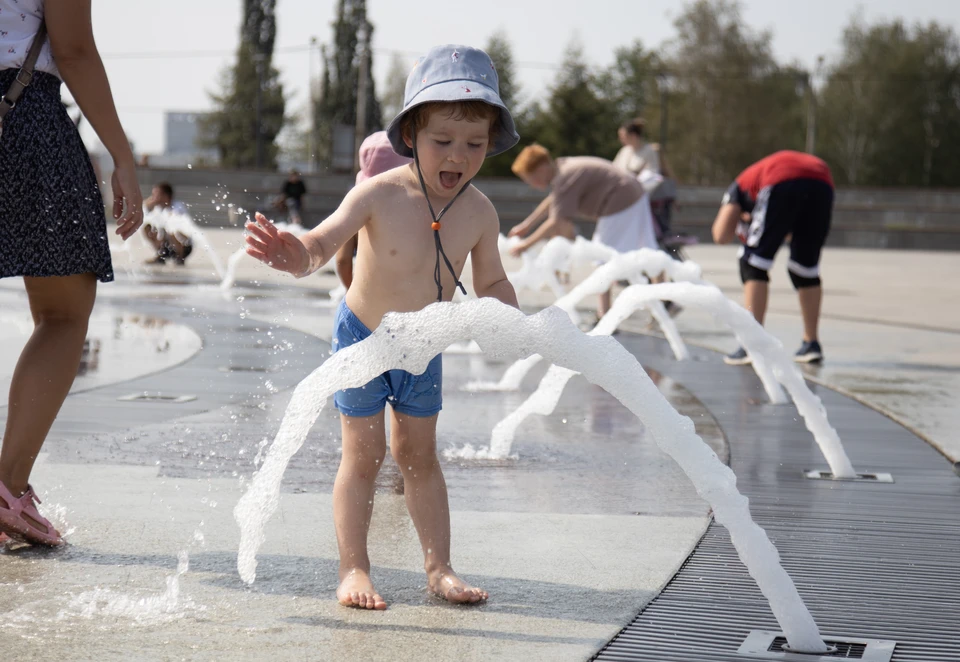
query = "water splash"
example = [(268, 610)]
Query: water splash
[(635, 266), (171, 221), (229, 277), (770, 361), (148, 609), (501, 331)]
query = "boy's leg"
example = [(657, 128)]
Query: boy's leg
[(810, 298), (364, 447), (603, 306), (806, 245), (755, 296), (413, 443)]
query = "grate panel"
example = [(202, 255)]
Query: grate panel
[(869, 559)]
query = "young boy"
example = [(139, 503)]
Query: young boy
[(584, 187), (784, 197), (452, 119)]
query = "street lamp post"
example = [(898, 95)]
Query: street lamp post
[(663, 80), (360, 130), (811, 141), (259, 60), (312, 134)]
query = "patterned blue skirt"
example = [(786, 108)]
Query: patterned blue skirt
[(52, 219)]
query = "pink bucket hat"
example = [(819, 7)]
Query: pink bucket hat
[(377, 156)]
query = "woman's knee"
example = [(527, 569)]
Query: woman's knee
[(64, 301)]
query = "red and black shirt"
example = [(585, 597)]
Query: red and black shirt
[(778, 167)]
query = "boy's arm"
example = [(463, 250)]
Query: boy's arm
[(725, 225), (489, 277), (553, 226), (303, 255), (323, 241), (523, 228), (344, 262)]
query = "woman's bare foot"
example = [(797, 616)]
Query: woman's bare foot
[(446, 584), (356, 590)]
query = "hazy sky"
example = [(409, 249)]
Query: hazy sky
[(170, 56)]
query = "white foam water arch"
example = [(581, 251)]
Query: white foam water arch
[(635, 267), (758, 342), (409, 341)]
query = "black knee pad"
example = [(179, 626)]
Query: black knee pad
[(750, 272), (800, 282)]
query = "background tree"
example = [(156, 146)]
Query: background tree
[(730, 102), (500, 51), (576, 120), (392, 97), (630, 84), (337, 105), (889, 111), (232, 127)]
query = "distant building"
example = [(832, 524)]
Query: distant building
[(181, 144)]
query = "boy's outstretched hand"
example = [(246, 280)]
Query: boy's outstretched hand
[(276, 248)]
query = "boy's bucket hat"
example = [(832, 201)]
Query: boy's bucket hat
[(454, 73)]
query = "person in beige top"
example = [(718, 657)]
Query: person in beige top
[(637, 154), (583, 187)]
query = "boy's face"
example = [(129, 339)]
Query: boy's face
[(451, 151)]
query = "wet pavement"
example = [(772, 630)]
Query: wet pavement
[(571, 538), (137, 483)]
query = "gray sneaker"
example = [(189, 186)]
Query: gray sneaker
[(739, 357)]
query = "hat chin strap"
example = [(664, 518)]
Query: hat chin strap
[(437, 272)]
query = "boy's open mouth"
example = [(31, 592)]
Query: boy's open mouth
[(450, 179)]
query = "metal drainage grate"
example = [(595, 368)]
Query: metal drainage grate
[(766, 645), (860, 478), (837, 648), (156, 397), (245, 368)]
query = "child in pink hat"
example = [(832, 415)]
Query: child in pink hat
[(376, 156)]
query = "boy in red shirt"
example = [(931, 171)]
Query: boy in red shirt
[(787, 195)]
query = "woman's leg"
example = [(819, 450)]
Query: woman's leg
[(61, 309)]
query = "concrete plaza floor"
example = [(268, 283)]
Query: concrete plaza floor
[(571, 539)]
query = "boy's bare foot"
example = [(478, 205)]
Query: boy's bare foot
[(356, 590), (446, 584)]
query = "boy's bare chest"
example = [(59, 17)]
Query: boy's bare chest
[(406, 242)]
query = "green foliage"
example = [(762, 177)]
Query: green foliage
[(889, 111), (499, 50), (730, 102), (576, 119), (352, 33), (232, 127)]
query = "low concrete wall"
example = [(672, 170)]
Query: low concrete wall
[(867, 218)]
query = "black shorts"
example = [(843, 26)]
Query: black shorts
[(798, 207)]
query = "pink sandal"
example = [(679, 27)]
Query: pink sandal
[(20, 518)]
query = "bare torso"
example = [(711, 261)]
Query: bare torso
[(396, 253)]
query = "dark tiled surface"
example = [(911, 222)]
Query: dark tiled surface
[(870, 560)]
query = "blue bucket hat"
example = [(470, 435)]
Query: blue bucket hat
[(454, 73)]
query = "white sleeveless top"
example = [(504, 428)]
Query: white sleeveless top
[(19, 22)]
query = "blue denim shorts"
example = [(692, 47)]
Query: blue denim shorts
[(413, 395)]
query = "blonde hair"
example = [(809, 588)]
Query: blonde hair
[(529, 159)]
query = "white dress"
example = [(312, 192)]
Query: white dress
[(633, 227)]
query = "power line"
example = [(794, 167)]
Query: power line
[(685, 74)]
